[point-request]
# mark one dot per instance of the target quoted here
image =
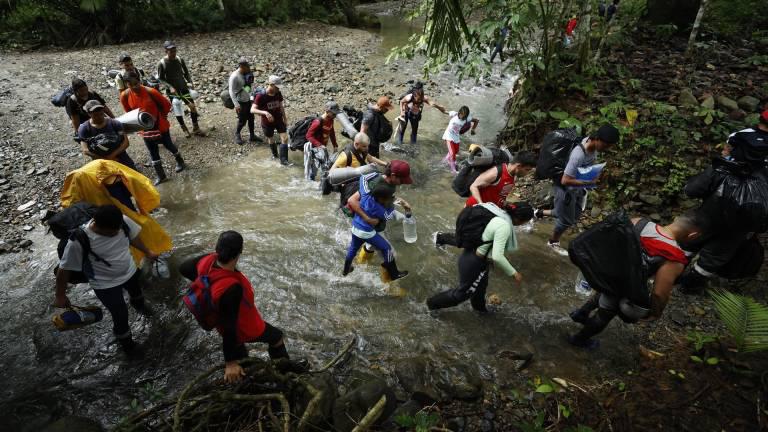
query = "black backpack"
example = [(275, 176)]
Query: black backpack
[(555, 151), (746, 262), (470, 225), (60, 98), (65, 226), (297, 133)]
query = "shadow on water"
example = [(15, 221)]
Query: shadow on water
[(295, 243)]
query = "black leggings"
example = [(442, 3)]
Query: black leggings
[(112, 299), (245, 116), (271, 336), (153, 145), (473, 281)]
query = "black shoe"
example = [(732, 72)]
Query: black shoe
[(255, 139), (239, 139), (394, 272)]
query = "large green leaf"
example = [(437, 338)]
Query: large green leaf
[(746, 319)]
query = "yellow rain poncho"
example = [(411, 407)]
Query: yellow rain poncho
[(89, 183)]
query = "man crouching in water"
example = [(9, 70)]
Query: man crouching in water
[(238, 320), (666, 261)]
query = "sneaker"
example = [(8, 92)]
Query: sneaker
[(285, 163), (539, 213), (438, 239), (555, 246)]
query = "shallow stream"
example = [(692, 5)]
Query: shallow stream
[(295, 244)]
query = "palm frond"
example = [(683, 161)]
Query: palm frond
[(746, 319), (446, 28)]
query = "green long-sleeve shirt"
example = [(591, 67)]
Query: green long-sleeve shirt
[(499, 231)]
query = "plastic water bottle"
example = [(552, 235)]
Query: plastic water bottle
[(409, 228), (581, 285), (77, 317)]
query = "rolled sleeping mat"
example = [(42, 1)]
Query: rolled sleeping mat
[(136, 120), (480, 156), (338, 176), (347, 124), (113, 73)]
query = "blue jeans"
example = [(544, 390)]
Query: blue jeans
[(414, 119), (378, 241)]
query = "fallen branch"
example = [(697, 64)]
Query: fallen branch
[(263, 397), (317, 395), (373, 414), (339, 356)]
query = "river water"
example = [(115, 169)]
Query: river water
[(295, 245)]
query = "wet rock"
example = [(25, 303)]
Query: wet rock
[(74, 423), (28, 228), (650, 199), (749, 103), (25, 243), (26, 206), (430, 378), (349, 409), (698, 311), (686, 98), (726, 104), (595, 212), (708, 102), (456, 424)]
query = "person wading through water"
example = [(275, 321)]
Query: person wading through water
[(411, 107)]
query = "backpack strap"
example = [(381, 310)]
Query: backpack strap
[(158, 104), (81, 237), (499, 167), (640, 226)]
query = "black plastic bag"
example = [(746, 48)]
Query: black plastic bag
[(611, 259), (746, 262), (744, 201), (104, 144), (555, 150)]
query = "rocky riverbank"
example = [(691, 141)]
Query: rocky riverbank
[(318, 62)]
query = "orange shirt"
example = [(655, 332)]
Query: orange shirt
[(151, 101)]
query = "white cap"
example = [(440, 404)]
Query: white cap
[(274, 80)]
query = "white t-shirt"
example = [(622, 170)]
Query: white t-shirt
[(452, 132), (115, 250)]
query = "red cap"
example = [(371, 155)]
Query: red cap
[(764, 116), (402, 170)]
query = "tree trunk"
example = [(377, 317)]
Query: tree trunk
[(585, 35), (695, 29), (221, 5)]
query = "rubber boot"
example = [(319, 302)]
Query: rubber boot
[(391, 272), (180, 165), (347, 267), (364, 256), (161, 177), (284, 155), (273, 147)]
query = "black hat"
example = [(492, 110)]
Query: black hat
[(169, 45), (243, 61), (607, 134), (123, 57)]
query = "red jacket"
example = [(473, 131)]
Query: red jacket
[(318, 134), (250, 325), (151, 101)]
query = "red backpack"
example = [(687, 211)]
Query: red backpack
[(199, 298)]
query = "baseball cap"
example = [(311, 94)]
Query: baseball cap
[(274, 80), (243, 61), (384, 102), (402, 170), (608, 134), (92, 105), (169, 44), (333, 107), (123, 57)]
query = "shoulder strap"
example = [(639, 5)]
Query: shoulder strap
[(640, 226), (81, 237), (126, 230), (499, 167)]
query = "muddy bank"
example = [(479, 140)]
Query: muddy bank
[(318, 62)]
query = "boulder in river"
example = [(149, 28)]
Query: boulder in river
[(439, 381)]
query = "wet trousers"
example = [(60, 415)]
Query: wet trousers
[(112, 299), (473, 281)]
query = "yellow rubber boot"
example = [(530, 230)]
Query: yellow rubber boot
[(363, 256)]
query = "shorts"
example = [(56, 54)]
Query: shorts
[(277, 125), (568, 203)]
